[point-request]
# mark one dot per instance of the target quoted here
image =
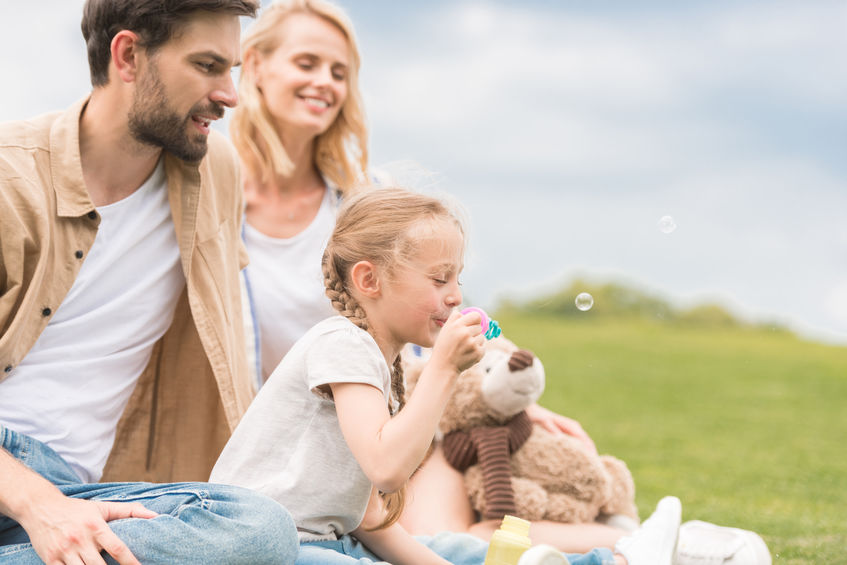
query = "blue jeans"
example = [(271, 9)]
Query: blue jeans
[(458, 549), (197, 522)]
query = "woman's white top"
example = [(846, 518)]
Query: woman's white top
[(286, 284)]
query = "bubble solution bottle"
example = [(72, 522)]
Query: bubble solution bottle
[(509, 542)]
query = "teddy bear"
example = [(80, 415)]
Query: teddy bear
[(512, 466)]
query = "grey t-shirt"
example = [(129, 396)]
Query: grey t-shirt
[(289, 444)]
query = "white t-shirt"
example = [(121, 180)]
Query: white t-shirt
[(287, 284), (289, 445), (73, 385)]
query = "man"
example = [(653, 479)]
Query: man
[(121, 351)]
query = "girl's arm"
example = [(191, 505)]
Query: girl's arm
[(390, 449), (393, 544)]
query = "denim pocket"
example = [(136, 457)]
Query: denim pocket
[(19, 446), (8, 550)]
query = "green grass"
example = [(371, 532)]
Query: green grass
[(743, 425)]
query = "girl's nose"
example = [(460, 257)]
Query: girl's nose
[(454, 297)]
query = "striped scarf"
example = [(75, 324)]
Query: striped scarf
[(491, 447)]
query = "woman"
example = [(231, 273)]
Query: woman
[(300, 131)]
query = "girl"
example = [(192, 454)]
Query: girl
[(330, 431)]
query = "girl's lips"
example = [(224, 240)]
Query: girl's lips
[(441, 321)]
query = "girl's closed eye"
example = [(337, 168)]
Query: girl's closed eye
[(442, 278)]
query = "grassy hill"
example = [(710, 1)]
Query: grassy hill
[(742, 423)]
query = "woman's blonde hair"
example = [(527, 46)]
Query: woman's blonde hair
[(381, 226), (341, 152)]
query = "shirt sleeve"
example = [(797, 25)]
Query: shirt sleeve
[(346, 355)]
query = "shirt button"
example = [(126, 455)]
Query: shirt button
[(78, 254), (92, 215), (46, 312)]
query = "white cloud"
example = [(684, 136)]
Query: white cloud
[(624, 119), (579, 94)]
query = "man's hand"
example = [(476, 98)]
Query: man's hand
[(62, 530), (68, 531)]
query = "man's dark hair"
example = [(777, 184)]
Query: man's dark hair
[(155, 22)]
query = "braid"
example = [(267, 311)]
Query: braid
[(341, 300), (398, 386)]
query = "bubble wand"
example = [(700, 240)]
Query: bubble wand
[(490, 327)]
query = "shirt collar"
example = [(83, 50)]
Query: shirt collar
[(72, 198)]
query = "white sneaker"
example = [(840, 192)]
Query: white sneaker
[(542, 555), (654, 543), (702, 543)]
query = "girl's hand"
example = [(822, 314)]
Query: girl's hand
[(557, 424), (460, 344)]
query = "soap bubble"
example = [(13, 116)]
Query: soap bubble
[(667, 224), (584, 301)]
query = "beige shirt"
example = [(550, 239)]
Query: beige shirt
[(196, 387)]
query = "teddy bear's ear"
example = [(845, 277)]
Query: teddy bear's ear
[(520, 359)]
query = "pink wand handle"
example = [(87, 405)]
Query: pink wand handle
[(481, 312)]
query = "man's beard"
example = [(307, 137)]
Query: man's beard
[(152, 121)]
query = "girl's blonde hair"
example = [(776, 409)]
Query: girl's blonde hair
[(341, 152), (380, 226)]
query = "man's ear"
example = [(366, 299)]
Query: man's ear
[(365, 279), (125, 49)]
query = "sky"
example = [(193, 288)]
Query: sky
[(568, 129)]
